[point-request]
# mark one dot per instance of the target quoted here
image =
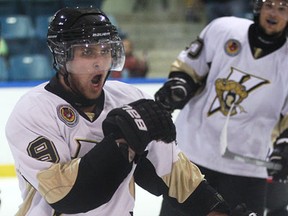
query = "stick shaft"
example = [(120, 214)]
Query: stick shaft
[(258, 162), (226, 153)]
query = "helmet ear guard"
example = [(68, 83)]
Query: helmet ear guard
[(257, 6), (58, 55)]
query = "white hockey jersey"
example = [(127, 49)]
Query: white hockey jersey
[(257, 86), (48, 138)]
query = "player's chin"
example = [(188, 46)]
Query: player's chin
[(93, 95)]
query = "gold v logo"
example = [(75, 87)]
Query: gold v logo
[(234, 89)]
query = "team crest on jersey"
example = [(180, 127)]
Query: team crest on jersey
[(68, 115), (232, 47), (234, 89)]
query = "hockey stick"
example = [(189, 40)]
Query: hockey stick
[(226, 153)]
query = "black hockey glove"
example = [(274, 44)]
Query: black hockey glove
[(139, 123), (241, 210), (177, 91), (280, 155)]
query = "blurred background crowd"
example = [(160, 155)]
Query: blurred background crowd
[(153, 32)]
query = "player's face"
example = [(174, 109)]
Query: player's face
[(88, 68), (274, 16)]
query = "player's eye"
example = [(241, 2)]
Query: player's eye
[(87, 52), (92, 52), (283, 8), (105, 51)]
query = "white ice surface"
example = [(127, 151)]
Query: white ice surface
[(146, 204)]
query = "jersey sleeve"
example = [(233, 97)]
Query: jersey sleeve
[(165, 170)]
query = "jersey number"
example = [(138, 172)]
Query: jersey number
[(43, 149)]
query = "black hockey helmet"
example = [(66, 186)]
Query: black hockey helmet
[(257, 7), (70, 26)]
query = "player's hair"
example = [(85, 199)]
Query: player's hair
[(71, 26)]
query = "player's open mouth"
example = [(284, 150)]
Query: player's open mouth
[(271, 21), (96, 79)]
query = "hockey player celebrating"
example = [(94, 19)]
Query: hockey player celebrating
[(235, 66), (80, 141)]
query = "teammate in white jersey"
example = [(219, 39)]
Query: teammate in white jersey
[(79, 148), (234, 61)]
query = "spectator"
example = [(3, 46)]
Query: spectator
[(134, 66), (193, 10)]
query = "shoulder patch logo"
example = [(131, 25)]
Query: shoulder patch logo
[(195, 48), (68, 115), (232, 47)]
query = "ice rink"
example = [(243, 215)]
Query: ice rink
[(146, 204)]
